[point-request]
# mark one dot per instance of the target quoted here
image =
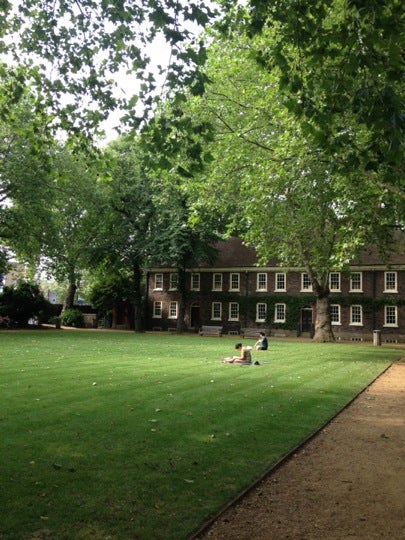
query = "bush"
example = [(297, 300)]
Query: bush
[(72, 317), (23, 302)]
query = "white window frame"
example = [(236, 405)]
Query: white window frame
[(173, 310), (387, 279), (261, 282), (195, 281), (261, 312), (280, 276), (334, 282), (233, 307), (159, 282), (174, 281), (353, 309), (234, 276), (217, 280), (389, 313), (215, 308), (335, 314), (157, 309), (353, 287), (306, 285), (280, 312)]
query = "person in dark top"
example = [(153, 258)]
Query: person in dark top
[(262, 344)]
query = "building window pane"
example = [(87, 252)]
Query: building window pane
[(390, 282), (334, 281), (157, 310), (173, 310), (335, 314), (262, 282), (281, 282), (216, 311), (356, 282), (261, 312), (233, 311), (217, 282), (390, 316), (195, 282), (356, 315), (234, 282), (159, 281), (279, 313), (174, 281), (306, 284)]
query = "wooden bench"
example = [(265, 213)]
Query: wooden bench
[(250, 332), (207, 330)]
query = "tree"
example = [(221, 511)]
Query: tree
[(288, 195), (23, 302), (75, 53)]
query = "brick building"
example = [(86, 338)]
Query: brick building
[(235, 293)]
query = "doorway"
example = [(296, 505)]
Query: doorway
[(195, 317), (306, 319)]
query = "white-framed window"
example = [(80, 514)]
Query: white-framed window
[(356, 282), (280, 282), (173, 309), (174, 281), (334, 281), (390, 282), (280, 313), (157, 310), (306, 285), (261, 312), (217, 282), (234, 282), (216, 311), (356, 315), (261, 284), (391, 316), (195, 281), (158, 282), (233, 311), (335, 314)]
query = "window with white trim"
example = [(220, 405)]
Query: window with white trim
[(335, 314), (261, 281), (390, 282), (174, 281), (234, 282), (306, 285), (334, 281), (391, 316), (173, 309), (233, 311), (280, 282), (280, 313), (195, 282), (158, 282), (356, 315), (217, 282), (157, 310), (356, 282), (216, 311), (261, 312)]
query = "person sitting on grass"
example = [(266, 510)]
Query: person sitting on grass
[(262, 343), (244, 358)]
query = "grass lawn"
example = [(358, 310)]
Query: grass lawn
[(121, 436)]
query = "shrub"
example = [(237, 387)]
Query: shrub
[(72, 317)]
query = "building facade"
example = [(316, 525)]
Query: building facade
[(236, 294)]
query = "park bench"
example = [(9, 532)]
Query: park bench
[(250, 332), (207, 330)]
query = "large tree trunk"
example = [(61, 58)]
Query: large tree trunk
[(137, 275), (323, 327), (70, 297)]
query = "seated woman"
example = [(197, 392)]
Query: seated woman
[(244, 358)]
